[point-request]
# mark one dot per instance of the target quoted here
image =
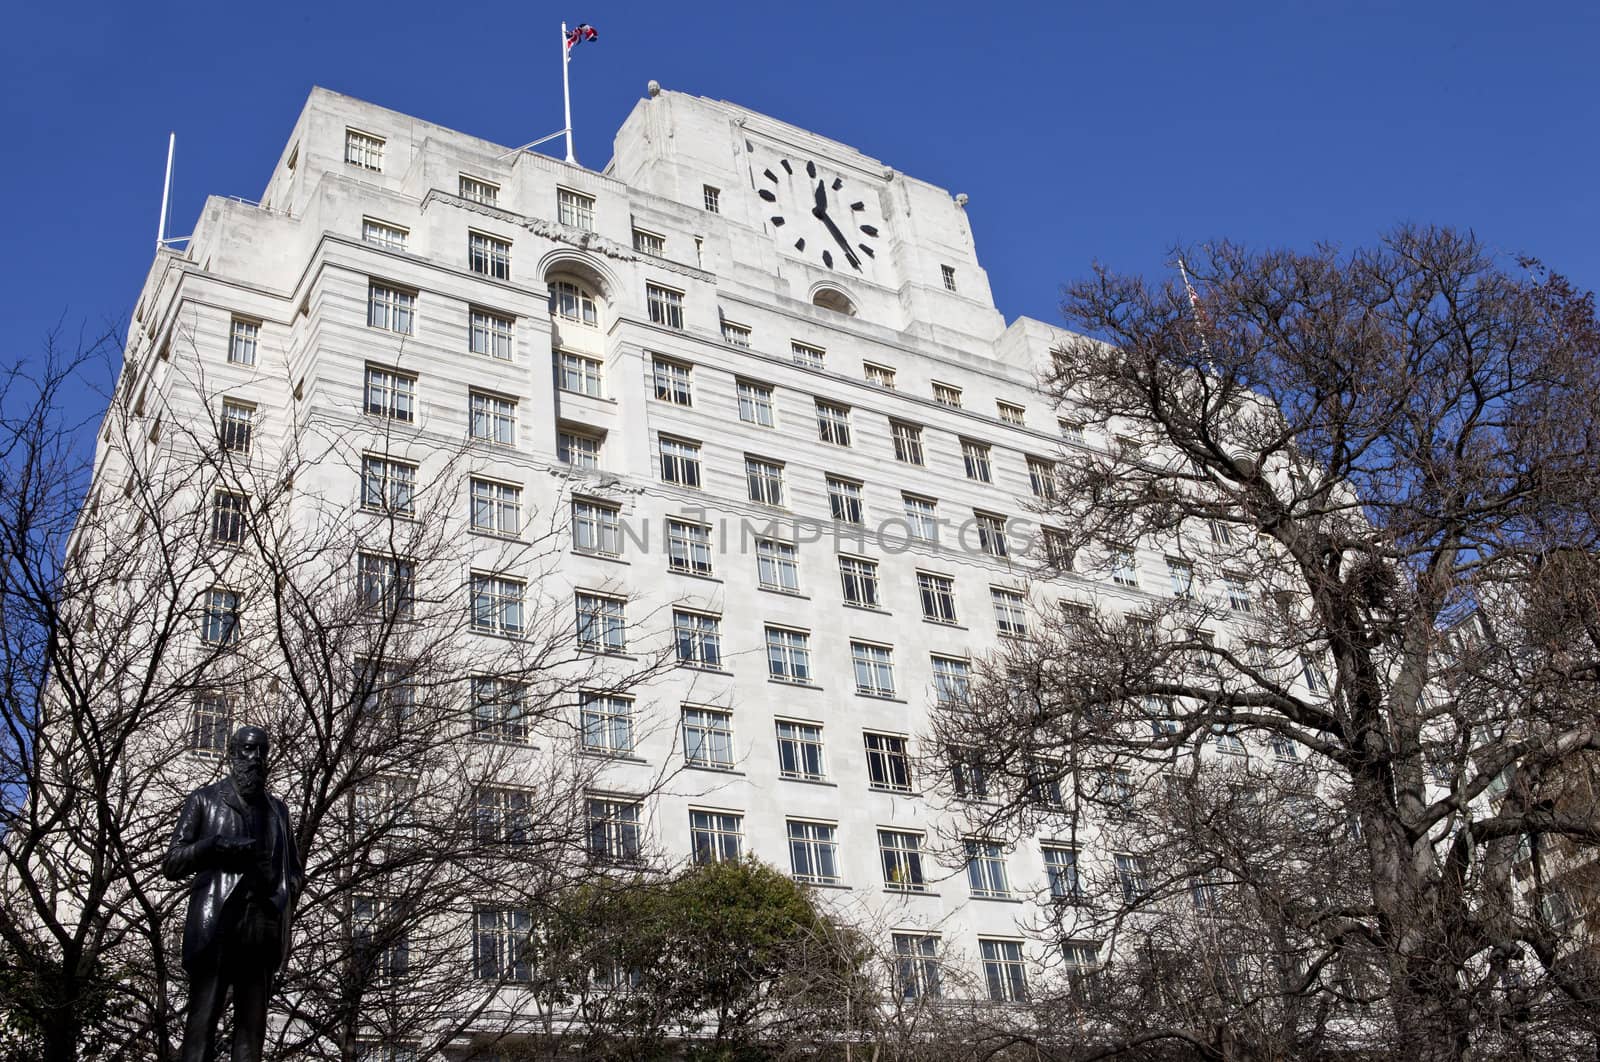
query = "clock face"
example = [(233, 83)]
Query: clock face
[(818, 214)]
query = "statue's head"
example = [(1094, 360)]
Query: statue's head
[(247, 760)]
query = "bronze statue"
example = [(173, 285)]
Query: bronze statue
[(234, 837)]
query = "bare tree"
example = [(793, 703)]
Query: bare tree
[(1299, 798)]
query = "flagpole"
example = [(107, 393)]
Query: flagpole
[(566, 89), (166, 193), (1194, 308)]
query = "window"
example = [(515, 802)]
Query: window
[(907, 442), (498, 709), (916, 973), (1129, 449), (800, 751), (688, 548), (650, 243), (489, 255), (1061, 871), (947, 395), (496, 507), (715, 836), (1238, 594), (707, 738), (712, 198), (879, 375), (1042, 478), (607, 722), (671, 381), (968, 776), (479, 190), (388, 485), (859, 578), (210, 723), (844, 500), (502, 944), (386, 1051), (614, 831), (381, 806), (948, 273), (1114, 787), (1058, 551), (238, 418), (1044, 784), (227, 517), (1133, 877), (1283, 748), (1123, 569), (1220, 533), (391, 309), (765, 480), (1081, 960), (665, 306), (493, 418), (497, 604), (874, 669), (578, 449), (1181, 575), (242, 339), (1205, 890), (502, 816), (385, 584), (364, 150), (952, 681), (1004, 975), (888, 763), (489, 333), (755, 403), (384, 234), (596, 528), (986, 870), (600, 623), (699, 639), (1227, 741), (736, 335), (833, 423), (1071, 430), (788, 655), (578, 374), (938, 594), (921, 522), (991, 533), (1011, 413), (900, 852), (775, 566), (378, 941), (575, 209), (813, 852), (390, 394), (975, 455), (1316, 680), (573, 303), (805, 354), (680, 462)]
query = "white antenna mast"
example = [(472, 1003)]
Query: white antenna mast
[(166, 194), (566, 89)]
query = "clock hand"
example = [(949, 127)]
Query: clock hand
[(822, 199), (844, 244)]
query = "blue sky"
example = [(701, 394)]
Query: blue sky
[(1082, 132)]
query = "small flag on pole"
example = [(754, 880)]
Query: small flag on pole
[(580, 33)]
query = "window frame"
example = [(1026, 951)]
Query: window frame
[(700, 633), (398, 308), (900, 861), (575, 209), (755, 398), (606, 723), (664, 305), (363, 150), (817, 847), (802, 745), (833, 422), (788, 654), (573, 367), (497, 604), (888, 762), (858, 582), (684, 462), (781, 558), (873, 673), (477, 189), (495, 498), (978, 460), (602, 623), (396, 483), (712, 745), (686, 541), (907, 439), (491, 334), (396, 393), (601, 527), (492, 418), (764, 480)]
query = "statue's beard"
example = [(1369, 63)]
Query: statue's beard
[(250, 779)]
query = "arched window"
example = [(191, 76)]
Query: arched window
[(835, 300), (571, 301)]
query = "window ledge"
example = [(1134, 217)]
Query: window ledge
[(797, 595), (996, 899), (708, 669), (823, 884), (805, 781), (498, 536), (890, 698), (613, 558), (612, 757), (945, 623), (711, 769), (876, 610), (582, 394), (409, 518), (906, 890), (703, 577), (793, 685), (914, 794), (610, 654)]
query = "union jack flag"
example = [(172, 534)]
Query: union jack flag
[(580, 33)]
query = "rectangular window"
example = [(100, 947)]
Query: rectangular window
[(844, 500), (596, 528), (391, 309), (615, 833), (578, 374), (736, 335), (651, 243), (1081, 960), (688, 548), (502, 816), (900, 853), (859, 578), (1238, 594), (788, 655), (916, 958), (1133, 877), (228, 517), (1004, 974), (478, 190), (379, 943), (991, 533), (952, 681), (806, 355), (975, 455), (390, 394), (386, 1051), (938, 593), (1071, 430), (499, 709), (888, 762), (1220, 533), (968, 776), (715, 837), (493, 418), (384, 234), (699, 639), (755, 403), (578, 449), (948, 274), (210, 723), (385, 585), (1044, 784), (607, 723), (907, 442), (922, 521), (601, 626), (1124, 571), (1061, 870), (986, 869), (572, 303), (707, 738), (874, 669), (800, 751), (502, 944), (879, 375), (680, 462), (497, 604), (496, 507), (1058, 550), (711, 198), (489, 255), (1181, 575), (1114, 788), (671, 380), (575, 209), (775, 566), (1042, 478), (1283, 748), (1011, 413), (242, 339), (1316, 679), (947, 395), (489, 333), (665, 306), (814, 852), (388, 486), (238, 419), (765, 480), (364, 150), (833, 423)]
